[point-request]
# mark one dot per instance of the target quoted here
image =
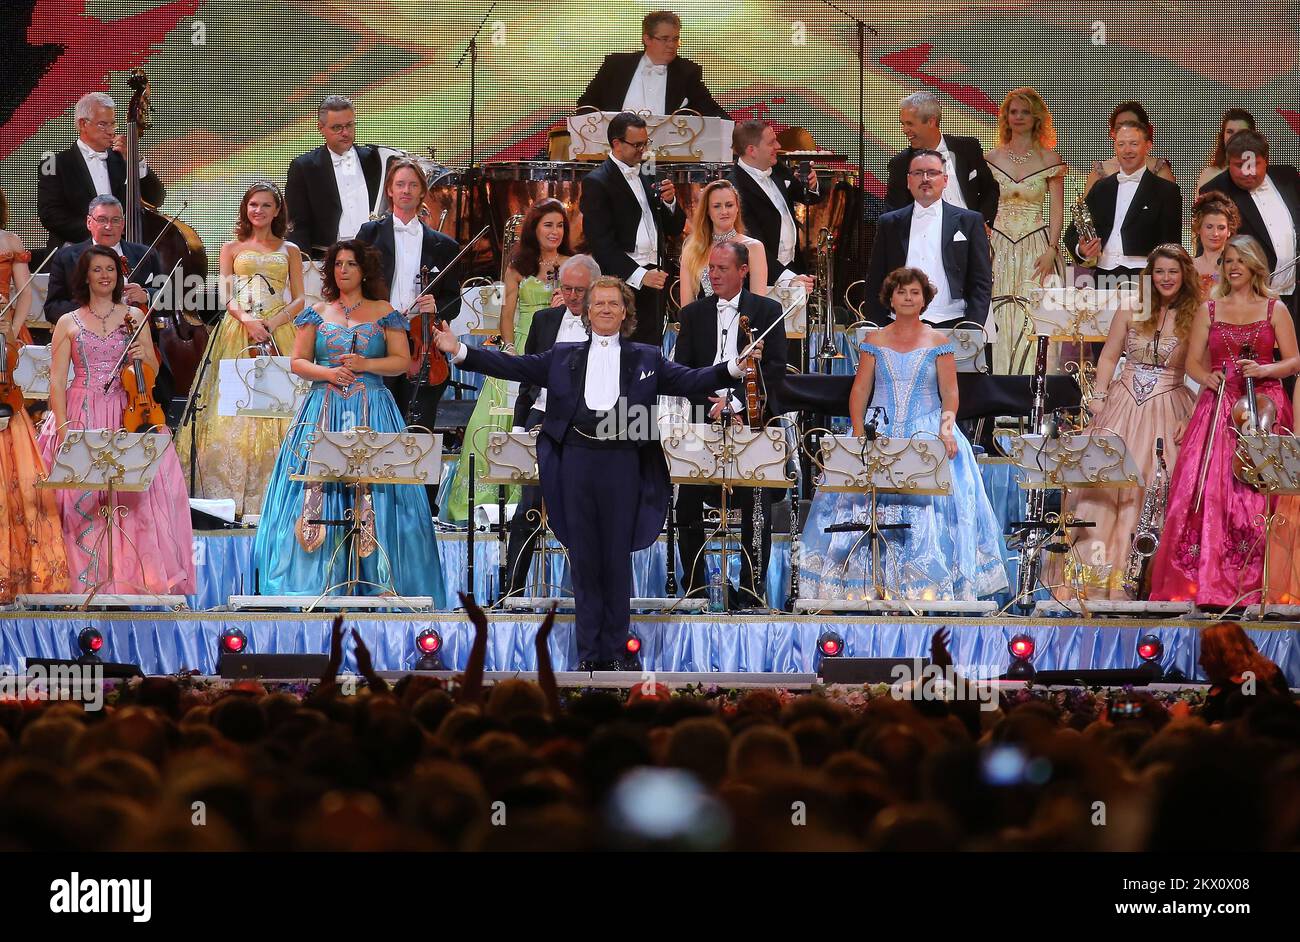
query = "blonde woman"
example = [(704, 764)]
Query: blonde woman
[(1215, 220), (1025, 241), (717, 219)]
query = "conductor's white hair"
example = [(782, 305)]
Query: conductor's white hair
[(87, 104), (925, 104)]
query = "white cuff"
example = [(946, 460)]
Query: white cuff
[(671, 207), (144, 169), (459, 358), (634, 280), (733, 367)]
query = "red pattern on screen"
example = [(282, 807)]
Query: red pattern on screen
[(91, 46), (1292, 118), (909, 62)]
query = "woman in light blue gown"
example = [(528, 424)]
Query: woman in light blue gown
[(952, 548), (346, 348)]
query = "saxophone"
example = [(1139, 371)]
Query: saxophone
[(1083, 223), (1147, 537)]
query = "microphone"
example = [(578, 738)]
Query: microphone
[(805, 170)]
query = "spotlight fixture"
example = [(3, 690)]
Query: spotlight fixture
[(1021, 648), (1150, 648), (830, 644), (633, 644), (428, 645), (89, 643), (234, 641)]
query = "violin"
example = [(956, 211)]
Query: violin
[(426, 360), (754, 398), (1253, 414), (138, 377)]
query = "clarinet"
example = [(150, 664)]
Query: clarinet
[(796, 544), (670, 584), (1036, 501)]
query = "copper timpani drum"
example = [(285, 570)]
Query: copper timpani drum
[(513, 186)]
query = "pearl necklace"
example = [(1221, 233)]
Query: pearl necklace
[(720, 237)]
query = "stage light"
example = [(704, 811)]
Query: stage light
[(1150, 648), (633, 645), (89, 643), (428, 645), (830, 644), (1021, 648), (233, 641)]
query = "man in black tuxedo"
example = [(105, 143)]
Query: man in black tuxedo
[(656, 80), (551, 325), (1268, 197), (1133, 211), (625, 221), (710, 333), (970, 181), (768, 192), (332, 189), (603, 476), (94, 166), (948, 243), (105, 222), (406, 245)]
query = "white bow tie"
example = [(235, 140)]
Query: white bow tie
[(413, 226), (1130, 177), (95, 155), (655, 70), (631, 173), (733, 305), (927, 212), (343, 162)]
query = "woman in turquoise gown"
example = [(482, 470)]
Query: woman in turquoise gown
[(952, 548), (346, 348), (532, 278)]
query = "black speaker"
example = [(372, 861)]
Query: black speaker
[(869, 670), (1101, 677), (111, 670), (454, 414), (279, 666)]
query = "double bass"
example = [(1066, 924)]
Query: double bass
[(180, 341)]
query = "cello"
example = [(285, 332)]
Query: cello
[(179, 339)]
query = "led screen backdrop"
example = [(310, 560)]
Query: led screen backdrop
[(235, 84)]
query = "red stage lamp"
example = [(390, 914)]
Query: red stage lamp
[(1021, 647), (89, 643), (830, 644), (633, 644), (233, 641), (1150, 648), (428, 645)]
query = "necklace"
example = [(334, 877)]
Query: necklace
[(720, 237), (348, 309), (102, 318), (1018, 158)]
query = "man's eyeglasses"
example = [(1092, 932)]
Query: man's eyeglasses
[(925, 174), (104, 125), (108, 220), (668, 40), (573, 289), (635, 145), (340, 128)]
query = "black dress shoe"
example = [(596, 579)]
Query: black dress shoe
[(630, 663), (588, 666)]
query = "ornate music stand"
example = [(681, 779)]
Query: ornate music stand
[(260, 387), (32, 374), (1273, 466), (359, 457), (874, 465), (1074, 460), (730, 456), (114, 461)]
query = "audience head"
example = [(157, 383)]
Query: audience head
[(927, 175), (336, 120), (1248, 159), (610, 307), (262, 207), (754, 141), (1228, 653), (1024, 112), (661, 35), (919, 114)]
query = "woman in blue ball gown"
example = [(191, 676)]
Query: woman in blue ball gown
[(953, 546), (345, 348)]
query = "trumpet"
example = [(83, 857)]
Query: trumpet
[(824, 294)]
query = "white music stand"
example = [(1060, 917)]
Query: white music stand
[(259, 387), (1274, 468), (729, 456), (480, 307), (881, 465), (793, 299), (684, 136), (970, 347), (114, 461), (32, 374), (359, 457), (1088, 460), (512, 461)]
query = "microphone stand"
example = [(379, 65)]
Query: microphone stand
[(422, 375), (863, 29), (470, 176)]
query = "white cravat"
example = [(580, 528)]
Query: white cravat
[(1281, 231), (353, 195), (408, 241), (648, 90), (1112, 256), (647, 236), (789, 239), (952, 191), (571, 331), (925, 251), (603, 367)]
